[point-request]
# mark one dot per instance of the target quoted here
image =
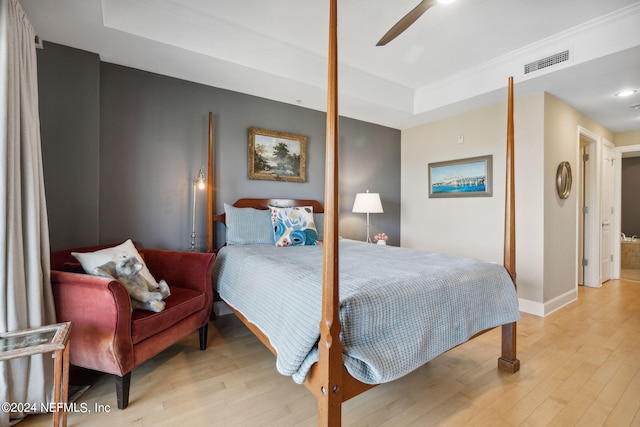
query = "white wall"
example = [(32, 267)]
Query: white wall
[(546, 226), (474, 227), (627, 138), (561, 221)]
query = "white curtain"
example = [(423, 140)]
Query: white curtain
[(26, 300)]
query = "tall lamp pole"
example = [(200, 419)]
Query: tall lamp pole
[(198, 184)]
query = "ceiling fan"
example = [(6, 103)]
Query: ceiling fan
[(409, 19)]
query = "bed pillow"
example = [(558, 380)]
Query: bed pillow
[(91, 260), (293, 226), (246, 226)]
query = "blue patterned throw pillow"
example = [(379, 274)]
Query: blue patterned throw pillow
[(293, 226)]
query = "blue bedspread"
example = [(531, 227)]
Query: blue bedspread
[(399, 308)]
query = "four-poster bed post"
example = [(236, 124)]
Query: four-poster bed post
[(211, 233), (508, 361), (328, 379), (330, 366)]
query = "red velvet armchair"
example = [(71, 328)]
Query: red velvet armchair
[(107, 336)]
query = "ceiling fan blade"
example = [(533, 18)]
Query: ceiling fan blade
[(406, 22)]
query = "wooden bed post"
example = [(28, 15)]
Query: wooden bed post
[(329, 347), (328, 379), (211, 231), (508, 361)]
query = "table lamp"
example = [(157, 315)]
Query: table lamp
[(367, 203)]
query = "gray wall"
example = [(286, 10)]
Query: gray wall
[(630, 209), (130, 156), (69, 100)]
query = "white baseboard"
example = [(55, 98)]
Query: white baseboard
[(531, 307), (221, 309), (544, 309)]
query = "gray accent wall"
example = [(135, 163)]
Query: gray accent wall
[(122, 146), (69, 101), (630, 209)]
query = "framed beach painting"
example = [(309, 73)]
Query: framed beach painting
[(471, 177), (277, 156)]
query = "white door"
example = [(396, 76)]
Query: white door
[(606, 211)]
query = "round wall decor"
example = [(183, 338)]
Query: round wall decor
[(563, 180)]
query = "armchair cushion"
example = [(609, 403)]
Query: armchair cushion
[(181, 304)]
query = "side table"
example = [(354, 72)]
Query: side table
[(45, 339)]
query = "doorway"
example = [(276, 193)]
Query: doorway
[(588, 233), (631, 151), (595, 256)]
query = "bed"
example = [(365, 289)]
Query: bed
[(399, 308), (344, 305)]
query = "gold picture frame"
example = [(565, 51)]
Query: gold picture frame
[(277, 156)]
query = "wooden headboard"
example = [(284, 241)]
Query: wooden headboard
[(264, 204)]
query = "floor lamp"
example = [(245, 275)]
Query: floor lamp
[(198, 183), (367, 203)]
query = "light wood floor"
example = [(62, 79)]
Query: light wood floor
[(580, 366)]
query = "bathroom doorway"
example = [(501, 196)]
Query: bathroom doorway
[(628, 202)]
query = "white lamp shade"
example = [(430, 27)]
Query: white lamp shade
[(367, 203)]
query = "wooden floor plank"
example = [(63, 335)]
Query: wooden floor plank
[(628, 406), (580, 366)]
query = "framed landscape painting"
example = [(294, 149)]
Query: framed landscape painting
[(470, 177), (277, 156)]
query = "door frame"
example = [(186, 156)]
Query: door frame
[(591, 236), (617, 202)]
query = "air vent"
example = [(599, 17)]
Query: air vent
[(546, 62)]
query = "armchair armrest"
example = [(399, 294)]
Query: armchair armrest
[(191, 270), (100, 309)]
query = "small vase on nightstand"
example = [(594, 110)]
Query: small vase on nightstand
[(381, 238)]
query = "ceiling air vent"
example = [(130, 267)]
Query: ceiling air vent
[(546, 62)]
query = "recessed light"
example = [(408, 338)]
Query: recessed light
[(626, 92)]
